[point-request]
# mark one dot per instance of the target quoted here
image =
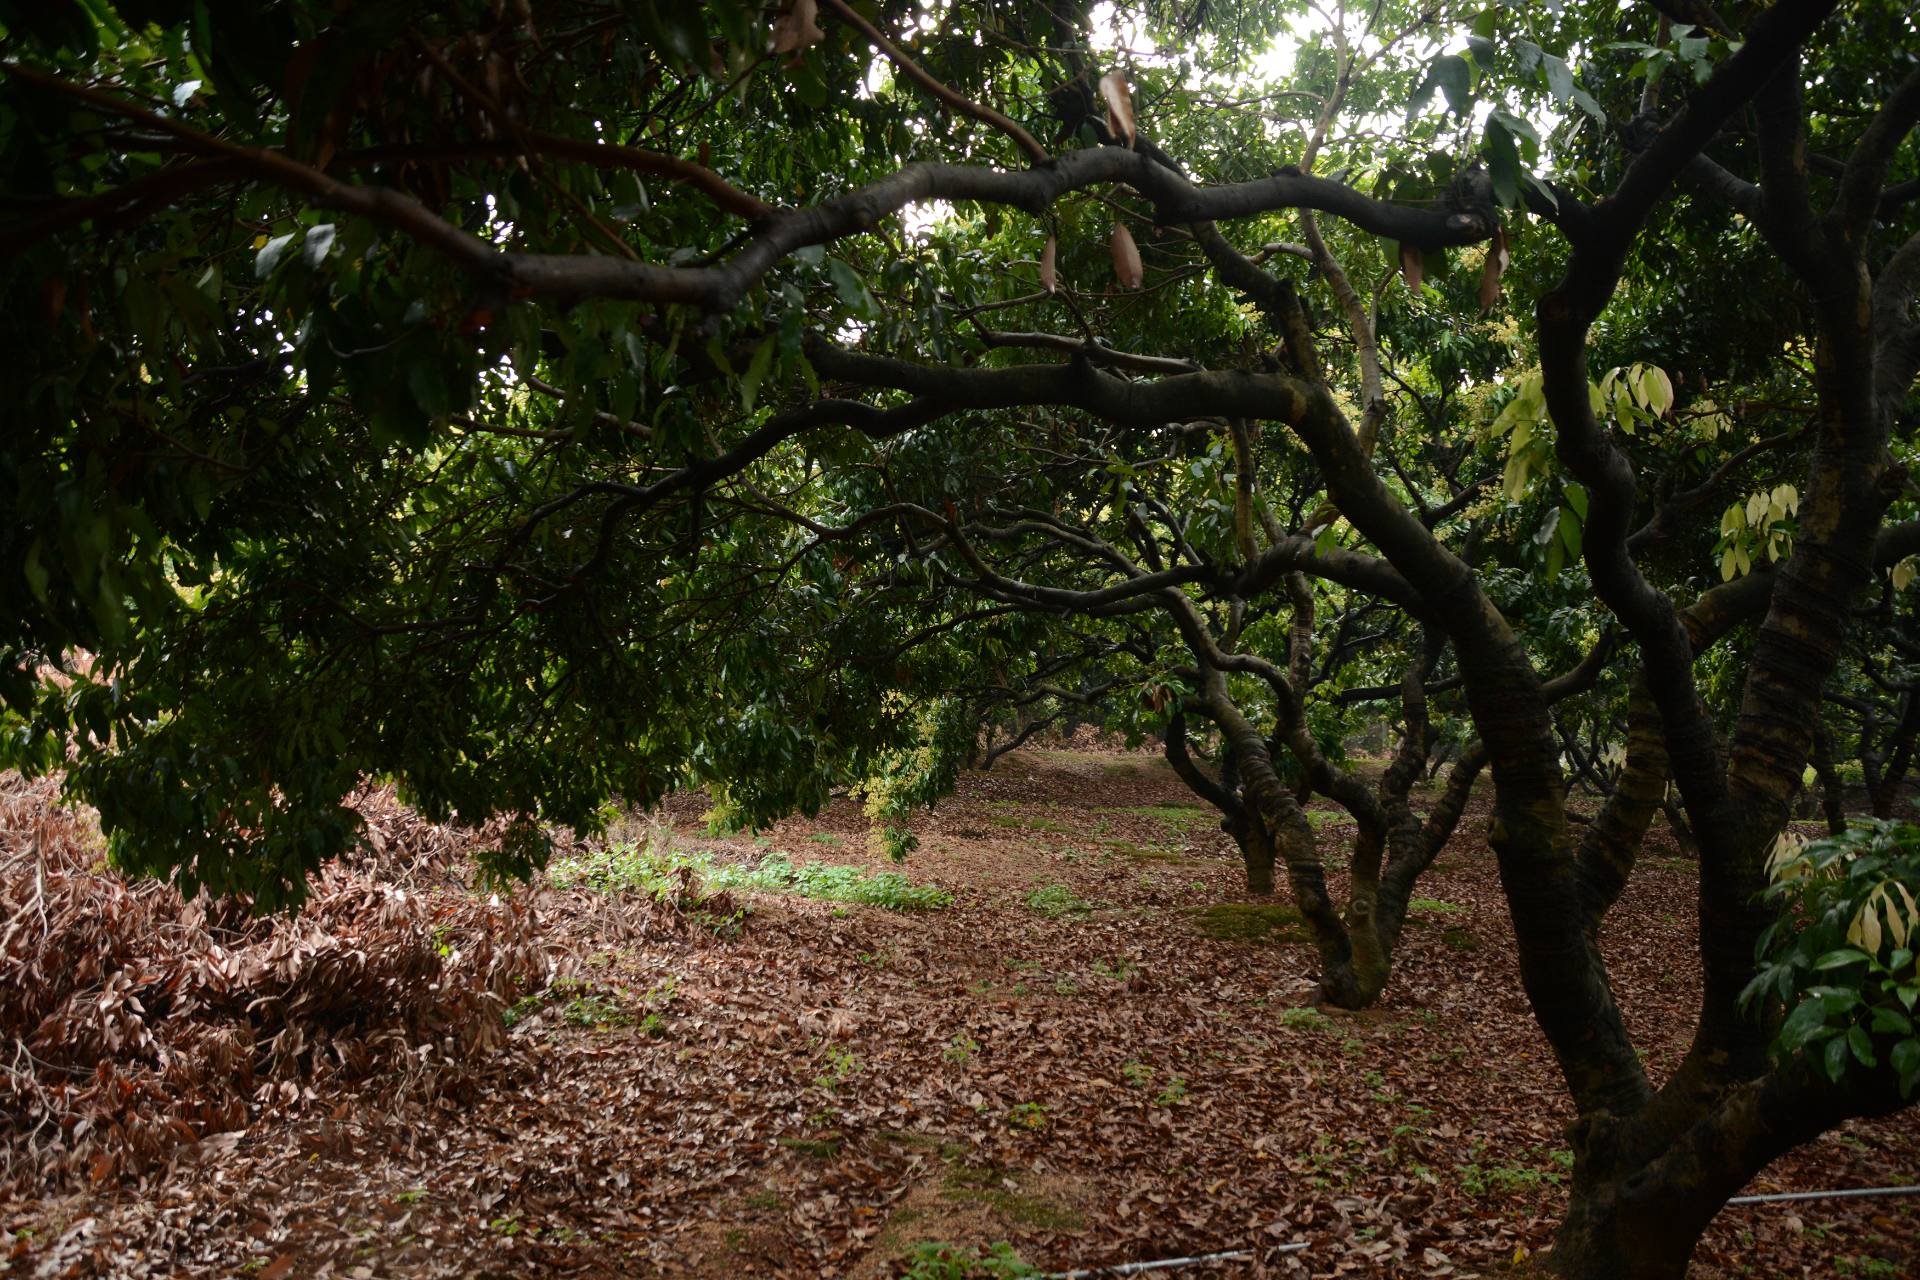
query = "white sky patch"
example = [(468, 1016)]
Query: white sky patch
[(920, 219), (1110, 34)]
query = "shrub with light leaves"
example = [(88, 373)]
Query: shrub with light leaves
[(1842, 953)]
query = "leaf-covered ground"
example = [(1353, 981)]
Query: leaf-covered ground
[(1099, 1052)]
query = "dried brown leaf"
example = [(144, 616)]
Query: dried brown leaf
[(1126, 258), (1496, 266), (1119, 99), (797, 29)]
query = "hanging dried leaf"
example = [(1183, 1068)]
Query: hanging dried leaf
[(1497, 259), (1126, 259), (1049, 276), (1119, 99), (797, 29), (1412, 266)]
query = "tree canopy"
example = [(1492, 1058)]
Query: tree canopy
[(552, 406)]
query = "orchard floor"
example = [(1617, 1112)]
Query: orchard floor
[(1094, 1055)]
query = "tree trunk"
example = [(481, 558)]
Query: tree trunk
[(1832, 789), (1601, 1240), (1256, 853)]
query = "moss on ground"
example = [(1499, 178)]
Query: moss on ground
[(1251, 922), (1147, 853), (986, 1185)]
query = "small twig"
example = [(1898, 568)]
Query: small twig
[(914, 72)]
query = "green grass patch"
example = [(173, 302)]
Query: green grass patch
[(1250, 922), (1057, 901), (658, 871), (1174, 815), (1023, 822), (1434, 906), (1147, 853), (1460, 938)]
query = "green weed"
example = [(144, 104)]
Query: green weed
[(842, 1066), (1056, 900), (934, 1260)]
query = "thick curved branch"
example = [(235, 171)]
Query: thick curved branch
[(1858, 198), (567, 277)]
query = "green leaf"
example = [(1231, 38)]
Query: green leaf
[(756, 372), (1557, 76), (1839, 959), (852, 289), (1576, 495), (1888, 1021), (318, 244), (1520, 129), (1862, 1046), (1503, 163), (1571, 533), (1540, 189), (1808, 1018), (1450, 74), (270, 255), (429, 388), (1906, 1063), (1835, 1058), (36, 573)]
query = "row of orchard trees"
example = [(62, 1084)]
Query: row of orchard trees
[(544, 405)]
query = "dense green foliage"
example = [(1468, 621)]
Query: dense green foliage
[(548, 406), (1845, 951)]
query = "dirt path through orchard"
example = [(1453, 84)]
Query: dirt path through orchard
[(1100, 1052)]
